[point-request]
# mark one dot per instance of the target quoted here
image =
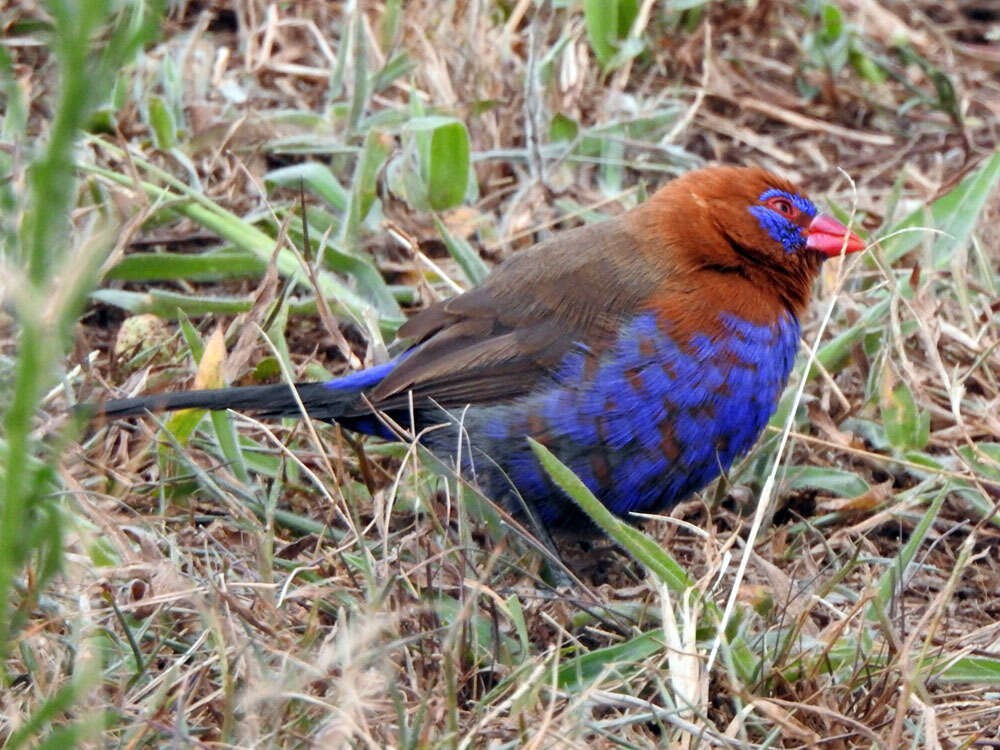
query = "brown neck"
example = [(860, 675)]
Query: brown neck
[(791, 283), (689, 244)]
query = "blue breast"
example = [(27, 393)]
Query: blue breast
[(649, 423)]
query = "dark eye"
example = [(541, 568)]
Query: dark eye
[(782, 205)]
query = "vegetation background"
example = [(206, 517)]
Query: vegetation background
[(237, 192)]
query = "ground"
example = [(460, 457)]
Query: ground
[(227, 583)]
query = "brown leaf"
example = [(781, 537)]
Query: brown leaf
[(209, 373), (828, 429), (866, 501)]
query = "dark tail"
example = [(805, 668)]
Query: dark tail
[(320, 400), (340, 400)]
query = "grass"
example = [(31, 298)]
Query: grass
[(239, 193)]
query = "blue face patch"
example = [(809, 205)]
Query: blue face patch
[(777, 224), (803, 204)]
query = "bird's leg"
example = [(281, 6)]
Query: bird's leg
[(553, 566)]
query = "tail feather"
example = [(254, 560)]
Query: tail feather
[(320, 400), (340, 400)]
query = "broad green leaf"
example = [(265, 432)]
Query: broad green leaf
[(161, 120), (872, 432), (833, 23), (315, 177), (627, 12), (607, 22), (865, 66), (601, 17), (181, 425), (906, 426), (985, 459), (443, 144), (835, 481), (563, 128)]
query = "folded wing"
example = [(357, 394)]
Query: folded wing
[(499, 341)]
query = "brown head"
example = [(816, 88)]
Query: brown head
[(739, 224)]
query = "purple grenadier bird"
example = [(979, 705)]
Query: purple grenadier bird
[(646, 352)]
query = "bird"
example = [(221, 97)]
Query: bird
[(647, 352)]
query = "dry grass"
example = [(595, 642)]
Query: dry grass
[(341, 594)]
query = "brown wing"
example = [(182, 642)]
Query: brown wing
[(497, 341)]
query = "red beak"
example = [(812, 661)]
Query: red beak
[(830, 237)]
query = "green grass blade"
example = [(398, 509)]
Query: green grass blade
[(211, 266), (641, 547), (891, 579), (955, 214), (474, 268)]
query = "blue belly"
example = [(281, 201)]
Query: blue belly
[(649, 423)]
